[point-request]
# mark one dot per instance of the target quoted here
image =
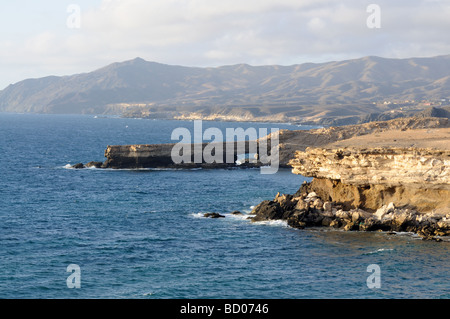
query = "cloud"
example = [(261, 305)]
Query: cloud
[(220, 32), (210, 32)]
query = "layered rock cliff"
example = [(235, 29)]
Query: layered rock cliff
[(371, 178), (163, 155), (287, 141), (393, 180)]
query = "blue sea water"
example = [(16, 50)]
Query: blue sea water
[(141, 234)]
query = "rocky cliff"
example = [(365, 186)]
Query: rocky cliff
[(288, 141), (161, 156), (373, 177), (393, 180)]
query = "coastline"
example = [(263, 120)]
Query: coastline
[(306, 209), (125, 221), (390, 175), (392, 181)]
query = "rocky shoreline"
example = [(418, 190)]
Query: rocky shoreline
[(391, 176), (143, 156), (392, 181), (306, 209), (140, 156)]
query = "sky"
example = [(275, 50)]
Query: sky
[(60, 37)]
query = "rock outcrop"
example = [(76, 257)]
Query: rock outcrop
[(394, 180), (305, 209), (160, 156), (371, 178), (213, 215), (287, 141)]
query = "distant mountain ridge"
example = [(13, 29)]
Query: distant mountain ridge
[(332, 89)]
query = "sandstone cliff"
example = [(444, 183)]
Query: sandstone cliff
[(292, 141), (407, 167), (391, 178), (159, 155), (371, 178)]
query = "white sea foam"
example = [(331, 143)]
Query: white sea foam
[(380, 250), (148, 294), (197, 215), (242, 216), (276, 223), (93, 167)]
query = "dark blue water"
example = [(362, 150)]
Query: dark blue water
[(140, 234)]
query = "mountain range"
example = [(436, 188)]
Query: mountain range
[(337, 89)]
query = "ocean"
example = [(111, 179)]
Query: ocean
[(141, 234)]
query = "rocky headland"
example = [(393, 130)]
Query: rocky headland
[(394, 180), (392, 175), (140, 156)]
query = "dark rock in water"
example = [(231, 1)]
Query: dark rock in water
[(94, 164), (213, 215), (299, 213), (78, 166), (236, 212), (268, 210), (296, 222)]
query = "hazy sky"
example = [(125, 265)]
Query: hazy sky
[(58, 37)]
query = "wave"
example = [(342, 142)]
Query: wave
[(243, 216), (197, 215), (70, 166), (276, 223), (379, 251), (151, 293)]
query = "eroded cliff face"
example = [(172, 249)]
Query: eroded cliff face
[(138, 156), (162, 156), (370, 189), (373, 177)]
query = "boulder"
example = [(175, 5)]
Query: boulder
[(401, 220), (444, 224), (296, 223), (343, 214), (301, 205), (351, 226), (327, 207), (94, 164), (335, 224), (213, 215), (267, 210), (383, 210), (370, 224), (286, 202), (311, 197), (355, 216), (318, 203), (78, 166), (326, 221)]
